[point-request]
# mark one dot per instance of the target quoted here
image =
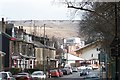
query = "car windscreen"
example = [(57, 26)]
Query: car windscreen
[(4, 75), (53, 70), (40, 73), (10, 74)]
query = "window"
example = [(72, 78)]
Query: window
[(91, 55)]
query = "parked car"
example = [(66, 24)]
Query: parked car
[(95, 67), (23, 76), (82, 68), (84, 72), (60, 72), (75, 69), (89, 68), (38, 75), (70, 68), (6, 76), (54, 73), (65, 71)]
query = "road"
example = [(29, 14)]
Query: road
[(75, 76)]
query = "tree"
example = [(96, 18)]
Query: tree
[(98, 20), (98, 26)]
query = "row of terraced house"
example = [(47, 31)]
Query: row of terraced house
[(19, 49), (23, 50)]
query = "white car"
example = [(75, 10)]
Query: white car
[(82, 68), (95, 67), (38, 75), (70, 68), (6, 76), (84, 72), (89, 68)]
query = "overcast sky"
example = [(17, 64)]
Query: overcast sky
[(35, 9)]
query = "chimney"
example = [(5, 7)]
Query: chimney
[(3, 25)]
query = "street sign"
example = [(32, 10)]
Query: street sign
[(101, 57)]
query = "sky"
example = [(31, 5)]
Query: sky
[(36, 10)]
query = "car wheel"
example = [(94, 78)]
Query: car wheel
[(58, 76)]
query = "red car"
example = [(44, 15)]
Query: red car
[(54, 73), (60, 73)]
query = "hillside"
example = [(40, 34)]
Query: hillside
[(56, 28)]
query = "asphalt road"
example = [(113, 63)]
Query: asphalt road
[(75, 76)]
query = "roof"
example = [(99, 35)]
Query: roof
[(72, 57), (87, 46), (51, 48), (26, 56), (5, 34), (40, 45)]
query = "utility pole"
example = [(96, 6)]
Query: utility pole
[(34, 25), (44, 51), (30, 26)]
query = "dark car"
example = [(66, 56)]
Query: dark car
[(65, 71), (84, 72)]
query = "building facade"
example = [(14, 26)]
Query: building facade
[(72, 44), (90, 54)]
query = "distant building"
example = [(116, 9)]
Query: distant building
[(72, 44), (72, 60), (90, 53), (74, 41)]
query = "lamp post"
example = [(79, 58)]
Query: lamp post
[(115, 45)]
